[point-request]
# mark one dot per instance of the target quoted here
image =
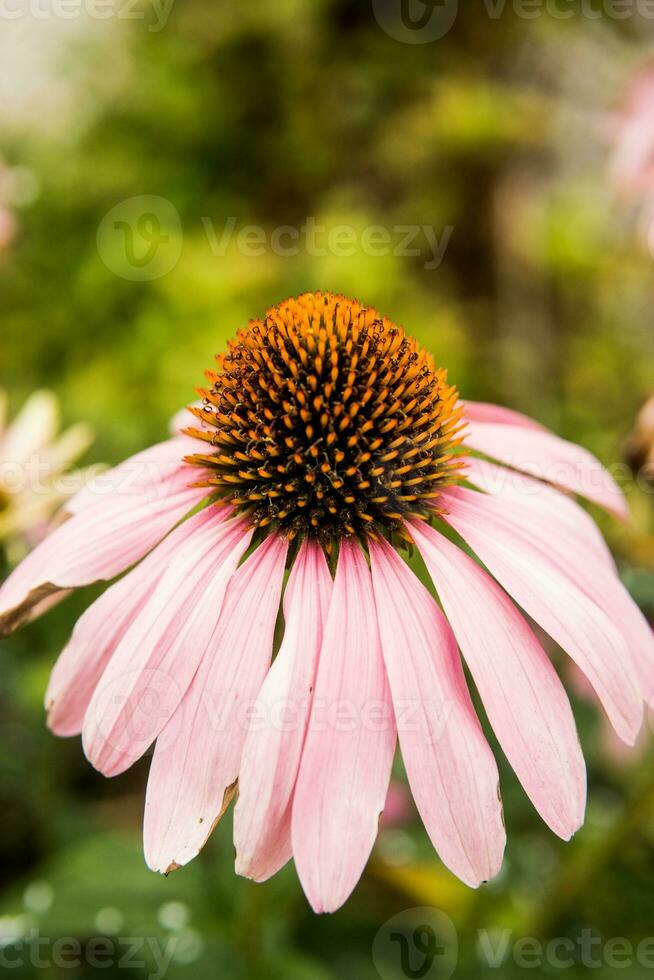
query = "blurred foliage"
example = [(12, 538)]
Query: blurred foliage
[(270, 115)]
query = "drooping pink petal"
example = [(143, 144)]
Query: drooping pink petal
[(271, 756), (197, 756), (347, 757), (546, 456), (576, 557), (101, 628), (451, 769), (486, 412), (157, 658), (554, 601), (97, 543), (510, 485), (522, 694)]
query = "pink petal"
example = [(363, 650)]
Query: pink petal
[(511, 486), (271, 756), (486, 412), (197, 756), (578, 558), (101, 628), (155, 661), (185, 418), (97, 543), (147, 476), (544, 455), (550, 597), (348, 753), (451, 769), (522, 694)]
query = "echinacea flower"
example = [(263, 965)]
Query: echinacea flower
[(35, 474), (327, 444)]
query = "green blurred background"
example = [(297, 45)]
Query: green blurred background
[(494, 136)]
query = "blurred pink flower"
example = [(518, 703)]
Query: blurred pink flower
[(327, 435), (632, 161), (397, 809), (613, 750)]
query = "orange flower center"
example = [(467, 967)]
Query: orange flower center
[(325, 419)]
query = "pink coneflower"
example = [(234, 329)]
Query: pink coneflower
[(327, 444)]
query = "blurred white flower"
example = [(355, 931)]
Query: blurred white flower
[(36, 475)]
